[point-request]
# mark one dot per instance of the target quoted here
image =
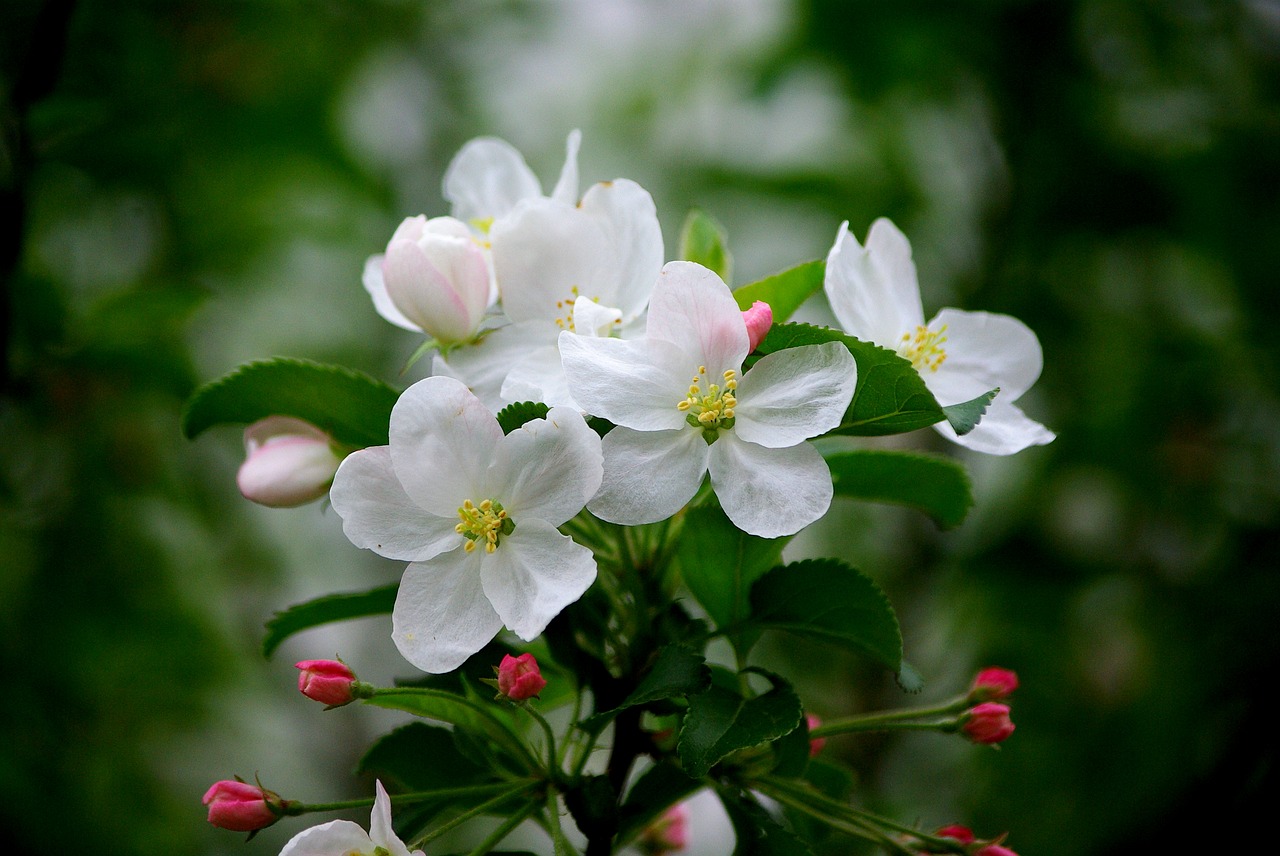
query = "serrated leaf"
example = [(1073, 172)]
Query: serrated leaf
[(325, 610), (458, 711), (677, 671), (421, 757), (658, 788), (352, 407), (719, 564), (965, 416), (828, 601), (791, 752), (757, 833), (513, 416), (703, 240), (785, 291), (935, 485), (721, 721), (890, 397)]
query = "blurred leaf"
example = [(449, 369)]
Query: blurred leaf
[(757, 833), (327, 609), (421, 757), (703, 240), (826, 600), (791, 751), (721, 720), (513, 416), (965, 416), (353, 407), (677, 671), (784, 292), (594, 806), (658, 788), (719, 563), (460, 712), (890, 397), (935, 485)]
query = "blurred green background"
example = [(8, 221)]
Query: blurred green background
[(190, 185)]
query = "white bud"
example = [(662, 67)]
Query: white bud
[(438, 277), (289, 462)]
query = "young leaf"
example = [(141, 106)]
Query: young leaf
[(784, 292), (935, 485), (327, 609), (458, 711), (721, 720), (966, 415), (757, 833), (703, 240), (677, 671), (353, 407), (890, 397), (513, 416), (826, 600)]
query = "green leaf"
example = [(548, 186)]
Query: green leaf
[(791, 752), (784, 292), (354, 408), (421, 757), (658, 788), (461, 712), (513, 416), (720, 562), (677, 671), (721, 720), (935, 485), (890, 397), (703, 240), (757, 833), (594, 806), (327, 609), (826, 600), (964, 417)]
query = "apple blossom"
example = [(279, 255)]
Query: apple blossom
[(488, 177), (519, 678), (437, 277), (993, 684), (987, 723), (344, 838), (681, 410), (242, 807), (668, 834), (759, 318), (330, 682), (960, 355), (288, 462), (449, 482)]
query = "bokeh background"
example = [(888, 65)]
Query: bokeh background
[(190, 185)]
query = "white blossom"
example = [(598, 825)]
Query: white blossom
[(344, 838)]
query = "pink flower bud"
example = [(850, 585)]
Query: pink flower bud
[(995, 850), (519, 677), (759, 319), (242, 807), (815, 743), (963, 834), (668, 833), (993, 684), (327, 681), (987, 723), (288, 462), (438, 277)]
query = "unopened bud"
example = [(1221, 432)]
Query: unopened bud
[(519, 677), (288, 462), (438, 277), (328, 681), (668, 833), (955, 831), (759, 319), (995, 850), (815, 743), (987, 723), (993, 684), (242, 807)]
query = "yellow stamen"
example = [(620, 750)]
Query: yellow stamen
[(924, 348)]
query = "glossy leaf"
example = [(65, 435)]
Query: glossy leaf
[(966, 415), (935, 485), (784, 292), (325, 610), (703, 240), (513, 416), (458, 711), (677, 671), (421, 757), (757, 833), (722, 720)]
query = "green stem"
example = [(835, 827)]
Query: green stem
[(842, 824), (886, 719), (406, 799), (558, 841), (503, 830), (552, 758), (472, 812)]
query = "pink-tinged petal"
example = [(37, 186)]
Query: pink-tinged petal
[(442, 439), (442, 616), (635, 383), (649, 475), (566, 189), (378, 515), (1004, 430), (873, 291), (547, 469), (534, 574), (694, 310), (439, 282), (486, 179), (329, 839), (769, 492), (792, 395), (287, 471), (759, 319), (484, 366), (993, 349), (626, 215), (376, 286)]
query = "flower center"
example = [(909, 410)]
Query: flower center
[(924, 349), (564, 310), (486, 522), (709, 406)]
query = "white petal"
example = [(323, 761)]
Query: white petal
[(995, 350), (635, 383), (593, 319), (873, 291), (377, 288), (440, 282), (484, 366), (538, 376), (442, 441), (769, 492), (534, 574), (627, 216), (792, 395), (1004, 430), (566, 189), (693, 309), (334, 838), (378, 515), (547, 469), (381, 832), (486, 179), (649, 475), (441, 616)]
